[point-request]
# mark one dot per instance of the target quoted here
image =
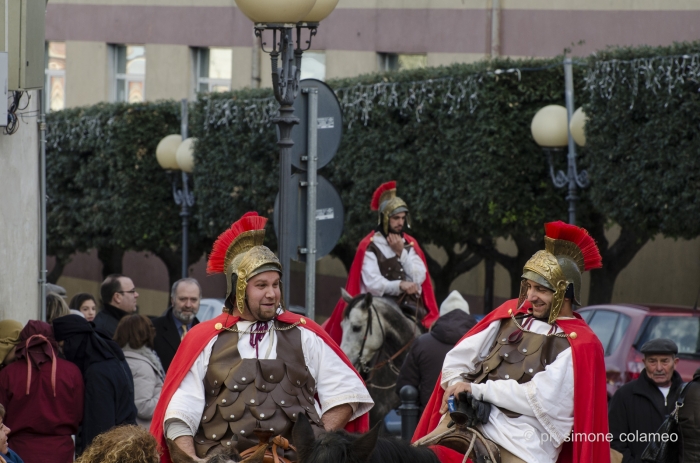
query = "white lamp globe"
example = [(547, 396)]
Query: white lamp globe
[(185, 155), (550, 127), (320, 11), (165, 152), (275, 11), (578, 127)]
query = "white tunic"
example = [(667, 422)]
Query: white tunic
[(336, 383), (372, 280), (546, 402)]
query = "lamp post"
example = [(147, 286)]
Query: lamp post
[(175, 155), (553, 130), (286, 19)]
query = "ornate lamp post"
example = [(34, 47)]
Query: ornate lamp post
[(555, 127), (175, 155), (286, 19), (552, 130)]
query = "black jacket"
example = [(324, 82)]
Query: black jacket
[(167, 337), (427, 354), (108, 318), (639, 406), (689, 421), (109, 399)]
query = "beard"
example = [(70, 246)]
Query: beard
[(184, 317)]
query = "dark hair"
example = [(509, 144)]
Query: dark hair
[(110, 286), (78, 300), (55, 307), (136, 330), (2, 412)]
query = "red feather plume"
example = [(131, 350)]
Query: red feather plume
[(378, 193), (249, 221), (580, 237)]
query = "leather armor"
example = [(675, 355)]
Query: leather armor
[(246, 394)]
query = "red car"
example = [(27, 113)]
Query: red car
[(624, 328)]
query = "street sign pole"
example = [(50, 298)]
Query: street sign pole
[(312, 183)]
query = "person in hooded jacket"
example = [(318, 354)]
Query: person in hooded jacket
[(423, 364), (43, 397), (135, 335), (109, 386)]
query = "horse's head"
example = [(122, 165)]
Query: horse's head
[(362, 330), (337, 447)]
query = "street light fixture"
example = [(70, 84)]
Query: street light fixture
[(551, 130), (286, 19), (174, 155)]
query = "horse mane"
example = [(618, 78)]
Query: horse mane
[(393, 449), (337, 447), (351, 305)]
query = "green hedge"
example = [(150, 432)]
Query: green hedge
[(457, 139)]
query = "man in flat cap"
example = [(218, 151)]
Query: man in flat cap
[(639, 407)]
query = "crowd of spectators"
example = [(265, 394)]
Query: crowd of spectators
[(85, 383)]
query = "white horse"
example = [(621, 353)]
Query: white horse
[(376, 338)]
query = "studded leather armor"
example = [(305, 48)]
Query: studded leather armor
[(244, 394), (517, 355)]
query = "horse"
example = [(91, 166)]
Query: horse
[(342, 447), (376, 339), (177, 455)]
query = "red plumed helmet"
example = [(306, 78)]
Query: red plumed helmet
[(217, 258), (580, 237), (384, 189)]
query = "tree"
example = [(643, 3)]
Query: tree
[(642, 149), (106, 188)]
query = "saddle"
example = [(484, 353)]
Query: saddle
[(459, 433)]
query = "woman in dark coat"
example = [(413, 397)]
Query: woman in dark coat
[(43, 398), (109, 388)]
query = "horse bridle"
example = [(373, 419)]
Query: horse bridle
[(365, 369)]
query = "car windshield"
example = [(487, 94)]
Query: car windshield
[(684, 331)]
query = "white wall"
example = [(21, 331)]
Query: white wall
[(19, 219)]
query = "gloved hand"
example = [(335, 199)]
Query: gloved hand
[(471, 411), (482, 410)]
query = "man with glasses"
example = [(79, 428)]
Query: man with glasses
[(119, 297)]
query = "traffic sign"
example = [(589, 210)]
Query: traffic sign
[(330, 215), (329, 122)]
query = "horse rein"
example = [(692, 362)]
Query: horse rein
[(364, 368)]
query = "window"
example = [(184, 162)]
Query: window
[(313, 65), (401, 62), (213, 69), (604, 325), (684, 331), (55, 98), (129, 72)]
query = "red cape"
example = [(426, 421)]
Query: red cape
[(332, 325), (590, 395), (197, 339)]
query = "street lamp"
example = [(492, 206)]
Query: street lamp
[(286, 19), (174, 155), (552, 130)]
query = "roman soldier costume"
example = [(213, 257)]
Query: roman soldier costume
[(378, 270), (545, 379), (233, 378)]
